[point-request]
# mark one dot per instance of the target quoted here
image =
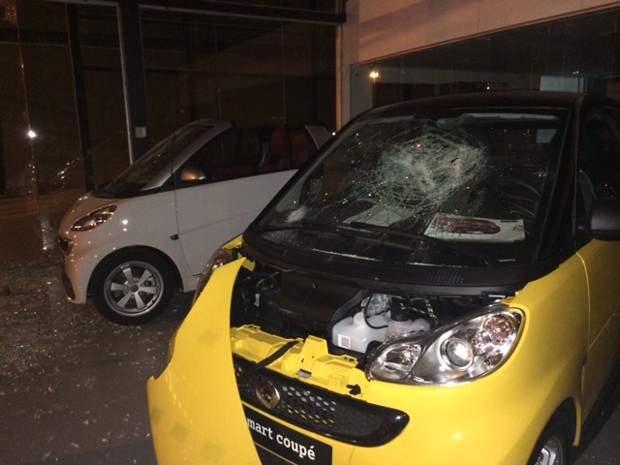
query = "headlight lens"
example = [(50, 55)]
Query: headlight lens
[(94, 219), (221, 257), (397, 360), (459, 352)]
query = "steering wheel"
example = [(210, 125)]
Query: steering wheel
[(520, 197)]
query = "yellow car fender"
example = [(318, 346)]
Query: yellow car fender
[(191, 382)]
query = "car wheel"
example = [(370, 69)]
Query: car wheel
[(132, 287), (552, 447)]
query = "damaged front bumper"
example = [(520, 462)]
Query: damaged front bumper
[(218, 402)]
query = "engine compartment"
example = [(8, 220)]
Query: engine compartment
[(352, 319)]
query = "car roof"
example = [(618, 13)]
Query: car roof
[(483, 99)]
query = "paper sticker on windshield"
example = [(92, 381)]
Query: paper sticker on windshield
[(463, 228)]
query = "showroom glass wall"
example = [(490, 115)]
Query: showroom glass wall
[(574, 54), (253, 71)]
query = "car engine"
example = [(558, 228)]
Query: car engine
[(354, 320)]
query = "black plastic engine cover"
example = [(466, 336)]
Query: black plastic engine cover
[(305, 300)]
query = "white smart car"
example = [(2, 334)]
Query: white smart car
[(131, 243)]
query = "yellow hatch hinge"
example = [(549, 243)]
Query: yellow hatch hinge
[(308, 360), (337, 373)]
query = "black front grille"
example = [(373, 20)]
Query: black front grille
[(321, 411), (268, 458)]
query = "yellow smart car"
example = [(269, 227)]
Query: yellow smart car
[(441, 285)]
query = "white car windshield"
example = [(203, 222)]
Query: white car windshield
[(150, 165)]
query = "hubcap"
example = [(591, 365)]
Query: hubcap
[(551, 453), (133, 288)]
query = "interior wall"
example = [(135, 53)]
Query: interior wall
[(378, 29)]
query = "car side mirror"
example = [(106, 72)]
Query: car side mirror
[(605, 219), (191, 174)]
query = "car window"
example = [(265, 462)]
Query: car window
[(230, 155), (302, 147), (240, 152), (479, 178), (600, 152), (277, 156), (149, 166), (285, 148)]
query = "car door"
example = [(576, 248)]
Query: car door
[(218, 193), (599, 163)]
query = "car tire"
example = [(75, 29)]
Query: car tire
[(553, 446), (132, 287)]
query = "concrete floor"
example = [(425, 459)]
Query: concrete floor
[(72, 385)]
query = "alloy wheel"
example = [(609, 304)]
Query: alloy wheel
[(552, 452), (133, 288)]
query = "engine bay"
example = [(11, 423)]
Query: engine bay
[(352, 319)]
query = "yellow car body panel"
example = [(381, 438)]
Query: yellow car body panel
[(602, 260), (198, 418), (194, 406)]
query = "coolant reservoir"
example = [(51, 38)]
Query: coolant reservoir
[(401, 323), (399, 328), (353, 333)]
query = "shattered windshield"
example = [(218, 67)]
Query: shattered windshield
[(149, 165), (468, 181)]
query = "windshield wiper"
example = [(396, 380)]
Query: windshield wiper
[(357, 226), (374, 234), (302, 226)]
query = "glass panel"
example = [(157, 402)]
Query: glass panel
[(473, 176), (103, 87), (218, 159), (308, 64), (15, 154), (41, 170), (51, 113), (310, 5), (40, 145), (151, 163), (577, 54), (253, 72), (600, 152)]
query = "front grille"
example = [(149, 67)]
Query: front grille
[(268, 458), (321, 411)]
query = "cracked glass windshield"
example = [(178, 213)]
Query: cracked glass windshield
[(440, 187)]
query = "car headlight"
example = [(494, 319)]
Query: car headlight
[(221, 257), (462, 351), (94, 219)]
